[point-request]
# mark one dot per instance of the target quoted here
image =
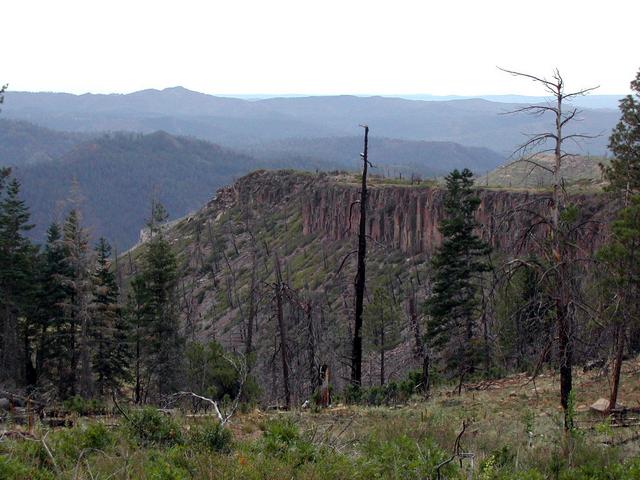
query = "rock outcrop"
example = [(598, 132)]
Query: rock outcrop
[(406, 217)]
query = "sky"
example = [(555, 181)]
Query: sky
[(322, 47)]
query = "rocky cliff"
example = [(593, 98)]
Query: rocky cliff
[(406, 217), (228, 250)]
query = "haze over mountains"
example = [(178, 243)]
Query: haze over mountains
[(58, 139), (237, 123)]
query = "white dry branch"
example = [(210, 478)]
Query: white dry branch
[(239, 363)]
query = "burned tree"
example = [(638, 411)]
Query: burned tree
[(356, 354), (279, 291), (559, 223)]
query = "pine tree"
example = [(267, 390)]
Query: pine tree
[(624, 171), (51, 338), (621, 256), (78, 378), (456, 268), (160, 345), (17, 258), (108, 332)]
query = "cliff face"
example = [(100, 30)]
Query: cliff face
[(407, 218), (228, 248)]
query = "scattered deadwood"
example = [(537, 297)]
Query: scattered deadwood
[(457, 453)]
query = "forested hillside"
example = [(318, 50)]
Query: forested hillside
[(390, 157), (23, 143), (115, 177)]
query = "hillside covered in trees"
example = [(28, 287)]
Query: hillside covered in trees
[(327, 324)]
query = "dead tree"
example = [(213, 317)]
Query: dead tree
[(252, 309), (560, 252), (356, 354), (279, 297)]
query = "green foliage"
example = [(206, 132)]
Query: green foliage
[(109, 329), (209, 372), (624, 171), (211, 436), (456, 266), (17, 282), (15, 469), (391, 393), (281, 438), (403, 457), (523, 314), (81, 406), (381, 325), (148, 426), (158, 342)]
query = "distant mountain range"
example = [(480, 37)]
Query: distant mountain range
[(235, 122)]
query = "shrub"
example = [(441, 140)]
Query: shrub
[(403, 457), (211, 436), (79, 405), (14, 469), (352, 394), (281, 438), (151, 427)]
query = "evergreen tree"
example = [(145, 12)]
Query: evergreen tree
[(624, 170), (17, 258), (160, 343), (109, 332), (621, 256), (51, 339), (457, 266), (75, 331)]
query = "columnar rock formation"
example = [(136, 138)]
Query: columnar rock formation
[(407, 217)]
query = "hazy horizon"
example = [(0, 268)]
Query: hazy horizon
[(287, 47)]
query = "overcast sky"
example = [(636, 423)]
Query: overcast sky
[(322, 47)]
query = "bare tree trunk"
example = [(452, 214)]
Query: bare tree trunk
[(356, 355), (382, 350), (138, 391), (415, 326), (313, 367), (426, 379), (283, 333), (559, 255), (617, 366), (252, 314)]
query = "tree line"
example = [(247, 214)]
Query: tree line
[(66, 327)]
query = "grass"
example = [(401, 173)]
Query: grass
[(513, 429)]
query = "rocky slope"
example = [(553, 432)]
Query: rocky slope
[(300, 221)]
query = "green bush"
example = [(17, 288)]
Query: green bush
[(151, 427), (402, 457), (281, 438), (97, 437), (14, 469), (79, 405), (211, 436), (352, 395)]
